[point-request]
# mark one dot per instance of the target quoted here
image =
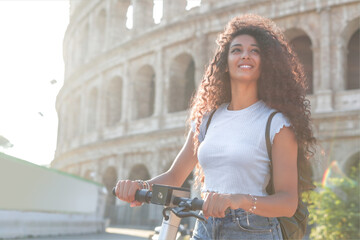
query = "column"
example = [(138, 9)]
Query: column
[(159, 84), (142, 15), (92, 38), (324, 93), (101, 106), (108, 30), (172, 9), (127, 91), (207, 5), (201, 56), (341, 64), (117, 27), (126, 103)]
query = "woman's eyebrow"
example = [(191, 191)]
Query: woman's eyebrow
[(236, 45), (240, 45)]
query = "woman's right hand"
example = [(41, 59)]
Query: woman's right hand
[(125, 190)]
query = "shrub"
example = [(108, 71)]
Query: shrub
[(334, 208)]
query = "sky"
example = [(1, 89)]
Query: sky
[(31, 39), (32, 73)]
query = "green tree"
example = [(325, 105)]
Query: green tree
[(334, 209)]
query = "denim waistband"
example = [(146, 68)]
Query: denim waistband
[(235, 213)]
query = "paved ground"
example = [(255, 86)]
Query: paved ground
[(111, 233)]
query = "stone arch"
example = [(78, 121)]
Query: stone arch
[(139, 172), (352, 161), (181, 82), (302, 45), (353, 62), (144, 92), (92, 110), (100, 24), (343, 41), (114, 101), (349, 30)]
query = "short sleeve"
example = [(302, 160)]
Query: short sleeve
[(193, 125), (278, 122), (202, 127)]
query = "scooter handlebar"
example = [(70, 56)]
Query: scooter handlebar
[(143, 195), (196, 204)]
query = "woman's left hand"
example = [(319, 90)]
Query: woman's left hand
[(215, 204)]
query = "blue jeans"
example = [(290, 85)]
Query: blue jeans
[(238, 224)]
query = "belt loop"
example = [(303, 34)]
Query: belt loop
[(233, 216)]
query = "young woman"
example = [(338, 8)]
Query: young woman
[(254, 72)]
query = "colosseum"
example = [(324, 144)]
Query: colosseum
[(129, 78)]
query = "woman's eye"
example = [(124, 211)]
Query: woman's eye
[(256, 50), (235, 50)]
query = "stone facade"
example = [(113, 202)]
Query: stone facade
[(123, 107)]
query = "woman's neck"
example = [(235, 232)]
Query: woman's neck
[(243, 97)]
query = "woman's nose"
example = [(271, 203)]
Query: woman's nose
[(245, 55)]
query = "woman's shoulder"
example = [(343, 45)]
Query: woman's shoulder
[(267, 110), (216, 111), (278, 122)]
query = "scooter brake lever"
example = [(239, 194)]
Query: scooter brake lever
[(178, 211), (166, 217)]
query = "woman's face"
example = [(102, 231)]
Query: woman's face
[(244, 59)]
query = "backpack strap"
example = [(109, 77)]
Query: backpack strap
[(209, 120), (270, 188), (267, 135)]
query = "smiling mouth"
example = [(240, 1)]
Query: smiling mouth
[(245, 66)]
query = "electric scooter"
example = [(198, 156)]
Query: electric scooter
[(177, 205)]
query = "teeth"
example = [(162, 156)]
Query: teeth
[(245, 66)]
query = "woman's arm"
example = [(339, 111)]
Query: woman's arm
[(285, 200), (183, 164)]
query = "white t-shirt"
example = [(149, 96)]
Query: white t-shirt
[(233, 154)]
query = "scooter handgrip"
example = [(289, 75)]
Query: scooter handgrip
[(143, 195), (113, 192), (196, 204)]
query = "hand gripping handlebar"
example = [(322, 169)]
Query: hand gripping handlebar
[(163, 195)]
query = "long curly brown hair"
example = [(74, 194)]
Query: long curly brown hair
[(281, 85)]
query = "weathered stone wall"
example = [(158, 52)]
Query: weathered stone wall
[(99, 131)]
